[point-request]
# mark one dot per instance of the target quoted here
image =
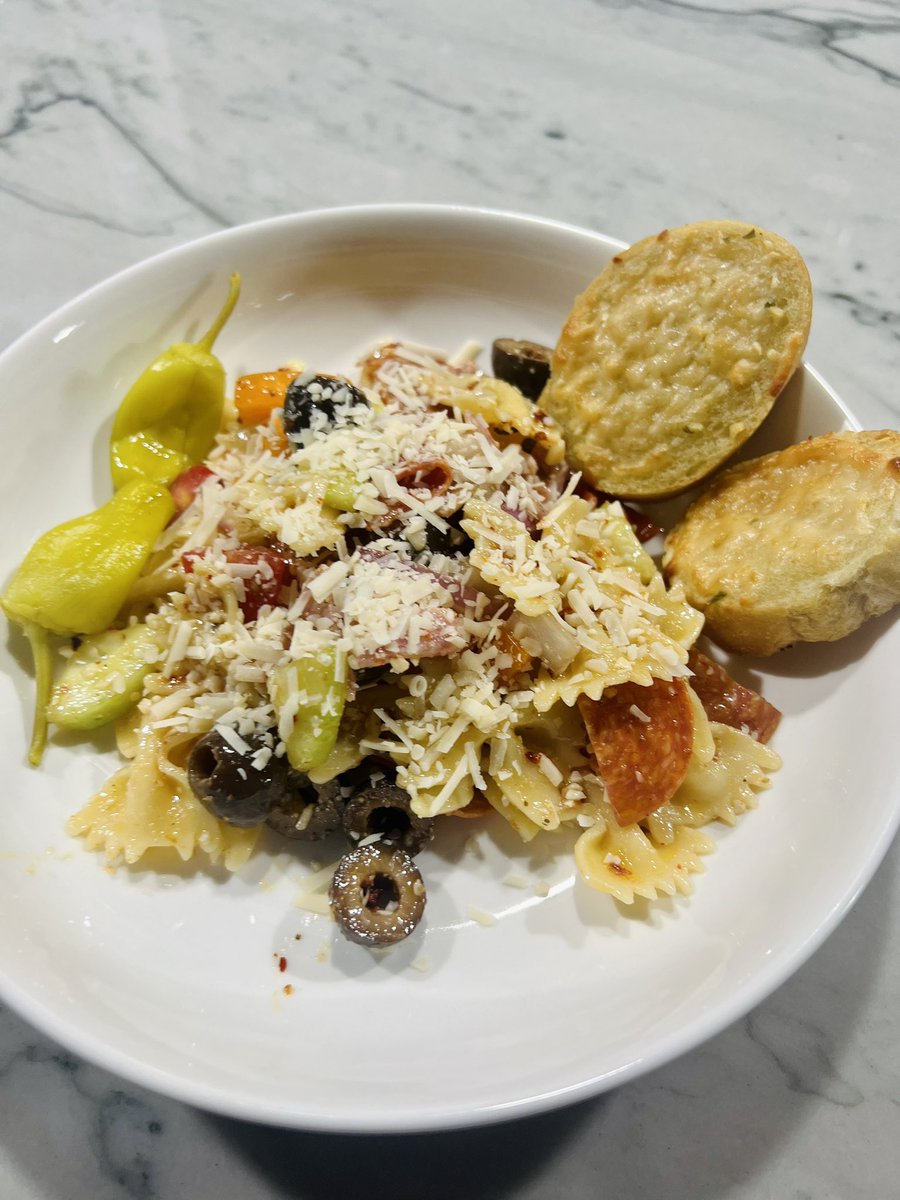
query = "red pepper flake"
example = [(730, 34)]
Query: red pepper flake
[(533, 756), (190, 558), (282, 963)]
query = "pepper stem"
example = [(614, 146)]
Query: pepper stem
[(43, 678), (234, 290)]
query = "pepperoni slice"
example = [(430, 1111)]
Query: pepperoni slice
[(729, 702), (432, 475), (642, 739)]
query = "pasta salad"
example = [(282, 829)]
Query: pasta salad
[(386, 603)]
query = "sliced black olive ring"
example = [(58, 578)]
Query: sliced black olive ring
[(324, 394), (526, 365), (225, 781), (377, 895), (449, 541), (306, 811), (386, 809)]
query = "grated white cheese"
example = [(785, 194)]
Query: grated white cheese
[(515, 880), (481, 917), (234, 740), (550, 770), (322, 586)]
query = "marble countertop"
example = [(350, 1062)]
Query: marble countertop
[(129, 128)]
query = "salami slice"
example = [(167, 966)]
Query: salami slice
[(729, 702), (642, 739)]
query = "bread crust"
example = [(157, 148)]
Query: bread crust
[(675, 353), (802, 545)]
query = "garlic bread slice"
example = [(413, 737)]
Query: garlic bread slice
[(675, 353), (798, 546)]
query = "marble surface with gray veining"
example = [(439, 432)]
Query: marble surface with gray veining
[(131, 127)]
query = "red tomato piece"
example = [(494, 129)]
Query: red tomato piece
[(263, 586), (184, 489)]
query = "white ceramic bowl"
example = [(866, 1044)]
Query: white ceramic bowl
[(170, 977)]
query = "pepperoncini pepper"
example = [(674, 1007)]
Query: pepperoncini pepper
[(171, 414), (77, 576)]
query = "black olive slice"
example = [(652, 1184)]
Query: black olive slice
[(225, 781), (306, 811), (366, 676), (450, 541), (377, 895), (526, 365), (371, 772), (386, 809), (319, 394)]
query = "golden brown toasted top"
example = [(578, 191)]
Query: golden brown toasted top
[(802, 544), (676, 352)]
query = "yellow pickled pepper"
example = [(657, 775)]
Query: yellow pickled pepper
[(75, 578), (171, 414)]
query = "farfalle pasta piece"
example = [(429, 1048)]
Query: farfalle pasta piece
[(507, 411), (524, 826), (719, 786), (448, 784), (145, 807), (397, 368), (589, 572), (436, 736), (522, 783), (505, 556), (307, 525), (625, 862)]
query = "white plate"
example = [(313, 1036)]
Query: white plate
[(171, 979)]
